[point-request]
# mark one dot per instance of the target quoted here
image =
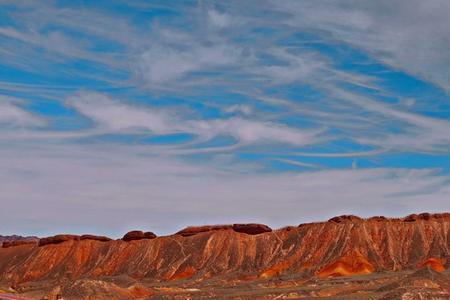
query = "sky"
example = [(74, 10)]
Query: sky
[(155, 115)]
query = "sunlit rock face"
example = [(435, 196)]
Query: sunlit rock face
[(342, 246)]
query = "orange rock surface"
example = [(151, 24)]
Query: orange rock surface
[(434, 263), (342, 246), (353, 264)]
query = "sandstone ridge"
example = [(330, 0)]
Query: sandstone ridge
[(343, 246)]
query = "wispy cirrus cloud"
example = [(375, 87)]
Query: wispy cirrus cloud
[(419, 133), (104, 183), (202, 52), (192, 109), (408, 35), (12, 115), (115, 117)]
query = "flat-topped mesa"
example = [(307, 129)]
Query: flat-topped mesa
[(138, 235), (251, 229)]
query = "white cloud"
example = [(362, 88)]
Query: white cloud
[(71, 188), (305, 67), (409, 35), (239, 108), (169, 58), (13, 116), (114, 116), (419, 133), (51, 188), (218, 19), (163, 64), (248, 131)]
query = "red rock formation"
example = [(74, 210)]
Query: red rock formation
[(18, 243), (342, 246), (184, 274), (95, 238), (193, 230), (436, 264), (426, 217), (138, 235), (345, 218), (149, 235), (250, 228), (352, 264), (60, 238)]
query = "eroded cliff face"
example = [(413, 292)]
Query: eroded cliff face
[(342, 246)]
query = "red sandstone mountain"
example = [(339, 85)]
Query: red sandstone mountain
[(140, 265)]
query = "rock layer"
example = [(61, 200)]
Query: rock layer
[(57, 239), (138, 235), (251, 229), (18, 243), (342, 246)]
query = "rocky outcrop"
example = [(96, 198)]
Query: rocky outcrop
[(60, 238), (99, 238), (345, 218), (343, 246), (57, 239), (193, 230), (426, 217), (251, 229), (138, 235)]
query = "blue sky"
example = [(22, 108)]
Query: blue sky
[(159, 114)]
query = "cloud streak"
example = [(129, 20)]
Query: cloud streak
[(416, 45), (13, 116), (170, 114), (114, 116), (102, 184)]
